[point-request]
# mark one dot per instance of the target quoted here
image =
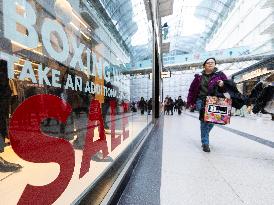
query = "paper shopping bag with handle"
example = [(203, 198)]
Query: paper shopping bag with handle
[(217, 110)]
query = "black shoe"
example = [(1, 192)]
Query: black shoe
[(8, 167), (206, 148)]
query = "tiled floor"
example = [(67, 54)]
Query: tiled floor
[(236, 171)]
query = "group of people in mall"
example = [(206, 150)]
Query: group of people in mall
[(212, 82), (171, 105), (143, 105)]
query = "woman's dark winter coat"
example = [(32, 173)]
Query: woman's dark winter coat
[(196, 83), (238, 100)]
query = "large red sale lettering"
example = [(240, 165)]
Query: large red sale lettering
[(32, 145), (115, 141), (125, 122), (92, 147)]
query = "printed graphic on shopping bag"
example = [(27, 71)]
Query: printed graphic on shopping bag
[(217, 110)]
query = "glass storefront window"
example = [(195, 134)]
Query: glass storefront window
[(67, 111)]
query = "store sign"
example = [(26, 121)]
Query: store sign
[(30, 144), (200, 57), (254, 74), (27, 139), (166, 74), (50, 27)]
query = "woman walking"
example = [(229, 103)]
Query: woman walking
[(202, 86)]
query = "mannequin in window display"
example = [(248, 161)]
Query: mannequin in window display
[(79, 142), (14, 102), (70, 97), (106, 108), (52, 91), (5, 96)]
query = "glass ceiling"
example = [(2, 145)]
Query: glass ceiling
[(191, 25), (130, 19), (193, 22)]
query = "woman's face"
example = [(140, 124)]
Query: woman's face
[(209, 66)]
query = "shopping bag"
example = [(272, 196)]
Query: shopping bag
[(217, 110)]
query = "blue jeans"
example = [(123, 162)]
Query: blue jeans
[(204, 126)]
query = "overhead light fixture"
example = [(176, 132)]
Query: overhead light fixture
[(79, 19), (85, 35), (74, 26), (19, 45), (18, 64)]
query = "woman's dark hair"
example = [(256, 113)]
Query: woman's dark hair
[(210, 59)]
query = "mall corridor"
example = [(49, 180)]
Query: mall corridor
[(173, 169)]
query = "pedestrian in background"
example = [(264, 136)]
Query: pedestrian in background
[(142, 105), (180, 104), (171, 105)]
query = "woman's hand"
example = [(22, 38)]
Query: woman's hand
[(221, 83)]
